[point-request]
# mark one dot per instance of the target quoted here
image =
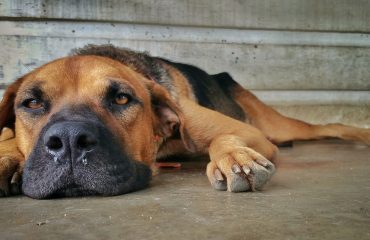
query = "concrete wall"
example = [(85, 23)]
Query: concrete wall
[(310, 59)]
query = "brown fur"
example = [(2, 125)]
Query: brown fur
[(238, 151)]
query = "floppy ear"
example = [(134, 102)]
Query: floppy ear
[(169, 118), (7, 115)]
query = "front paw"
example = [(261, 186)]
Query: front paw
[(239, 170), (10, 176)]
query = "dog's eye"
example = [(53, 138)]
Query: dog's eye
[(33, 103), (122, 99)]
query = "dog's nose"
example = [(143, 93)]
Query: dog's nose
[(74, 138)]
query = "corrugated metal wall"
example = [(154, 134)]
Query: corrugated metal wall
[(310, 59)]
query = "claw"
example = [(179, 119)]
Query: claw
[(262, 162), (219, 183), (15, 186), (236, 169), (246, 169), (218, 175)]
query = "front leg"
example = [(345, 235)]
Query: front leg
[(236, 167), (239, 152), (11, 167)]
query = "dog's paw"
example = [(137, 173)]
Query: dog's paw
[(239, 170), (10, 176)]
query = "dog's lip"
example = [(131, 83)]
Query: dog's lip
[(72, 190)]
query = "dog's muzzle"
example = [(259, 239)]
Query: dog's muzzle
[(81, 157)]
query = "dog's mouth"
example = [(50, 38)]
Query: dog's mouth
[(107, 173), (81, 158), (73, 190)]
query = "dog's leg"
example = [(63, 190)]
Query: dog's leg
[(238, 151), (11, 166), (279, 128)]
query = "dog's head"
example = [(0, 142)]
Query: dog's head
[(88, 125)]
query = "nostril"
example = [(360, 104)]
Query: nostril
[(86, 142), (54, 143)]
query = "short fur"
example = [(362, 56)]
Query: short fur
[(66, 126)]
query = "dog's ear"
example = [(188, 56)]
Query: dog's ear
[(7, 115), (169, 118)]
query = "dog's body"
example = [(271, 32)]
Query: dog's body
[(95, 122)]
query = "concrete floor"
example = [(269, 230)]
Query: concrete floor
[(320, 191)]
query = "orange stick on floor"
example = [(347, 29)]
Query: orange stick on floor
[(168, 165)]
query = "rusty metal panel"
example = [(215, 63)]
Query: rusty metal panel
[(322, 15), (261, 60)]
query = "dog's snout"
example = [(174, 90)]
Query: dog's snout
[(70, 138)]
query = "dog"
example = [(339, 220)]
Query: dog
[(94, 123)]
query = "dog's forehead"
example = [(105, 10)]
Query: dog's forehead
[(79, 72)]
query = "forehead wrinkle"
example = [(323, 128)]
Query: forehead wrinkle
[(83, 77), (72, 69), (97, 74), (112, 67)]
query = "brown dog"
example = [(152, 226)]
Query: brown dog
[(95, 122)]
